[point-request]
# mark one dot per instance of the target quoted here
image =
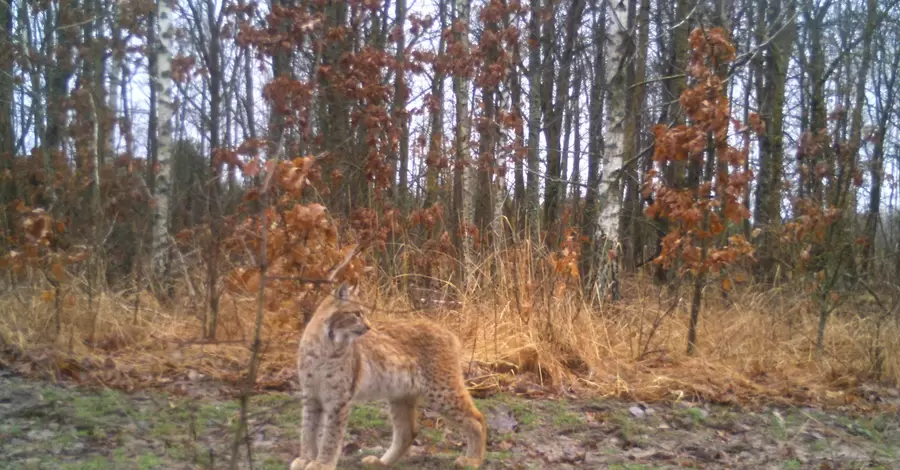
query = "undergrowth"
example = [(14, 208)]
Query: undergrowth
[(753, 345)]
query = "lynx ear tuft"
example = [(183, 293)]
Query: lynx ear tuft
[(343, 291)]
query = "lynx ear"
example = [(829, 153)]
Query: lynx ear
[(343, 291)]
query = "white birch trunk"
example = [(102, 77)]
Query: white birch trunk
[(609, 189), (162, 80)]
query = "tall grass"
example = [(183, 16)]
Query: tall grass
[(523, 321)]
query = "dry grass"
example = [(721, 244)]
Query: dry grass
[(755, 346)]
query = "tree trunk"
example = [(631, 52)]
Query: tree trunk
[(435, 156), (334, 123), (116, 76), (464, 179), (37, 102), (60, 72), (771, 97), (7, 133), (885, 98), (550, 127), (813, 18), (401, 119), (575, 179), (856, 118), (249, 111), (491, 194), (610, 193), (631, 208), (532, 217), (214, 190), (519, 148), (553, 117), (591, 251), (162, 82), (674, 86)]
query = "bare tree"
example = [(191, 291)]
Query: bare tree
[(7, 134), (435, 140), (885, 85), (590, 253), (464, 179), (532, 217)]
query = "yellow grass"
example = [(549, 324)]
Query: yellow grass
[(754, 346)]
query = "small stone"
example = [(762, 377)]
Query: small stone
[(40, 434), (813, 436), (637, 412), (562, 450), (640, 454), (500, 419)]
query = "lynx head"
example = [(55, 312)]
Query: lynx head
[(344, 315)]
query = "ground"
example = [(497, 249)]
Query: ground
[(62, 426)]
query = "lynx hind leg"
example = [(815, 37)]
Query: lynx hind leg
[(455, 403), (403, 420)]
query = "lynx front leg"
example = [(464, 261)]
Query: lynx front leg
[(309, 432), (334, 424)]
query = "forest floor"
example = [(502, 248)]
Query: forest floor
[(63, 426)]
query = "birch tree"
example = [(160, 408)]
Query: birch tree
[(165, 105), (607, 232)]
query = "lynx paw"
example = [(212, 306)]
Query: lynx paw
[(372, 461), (467, 462), (319, 466), (299, 464)]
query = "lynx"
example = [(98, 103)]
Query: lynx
[(342, 359)]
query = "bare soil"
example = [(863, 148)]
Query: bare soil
[(62, 426)]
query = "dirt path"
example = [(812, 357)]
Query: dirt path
[(45, 426)]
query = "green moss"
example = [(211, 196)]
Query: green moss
[(366, 416)]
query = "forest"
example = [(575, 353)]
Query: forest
[(633, 199)]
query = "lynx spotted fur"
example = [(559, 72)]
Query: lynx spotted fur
[(343, 359)]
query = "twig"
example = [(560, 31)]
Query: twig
[(250, 380), (334, 270), (187, 277)]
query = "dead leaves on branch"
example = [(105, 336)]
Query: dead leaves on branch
[(699, 216), (302, 243), (35, 245)]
